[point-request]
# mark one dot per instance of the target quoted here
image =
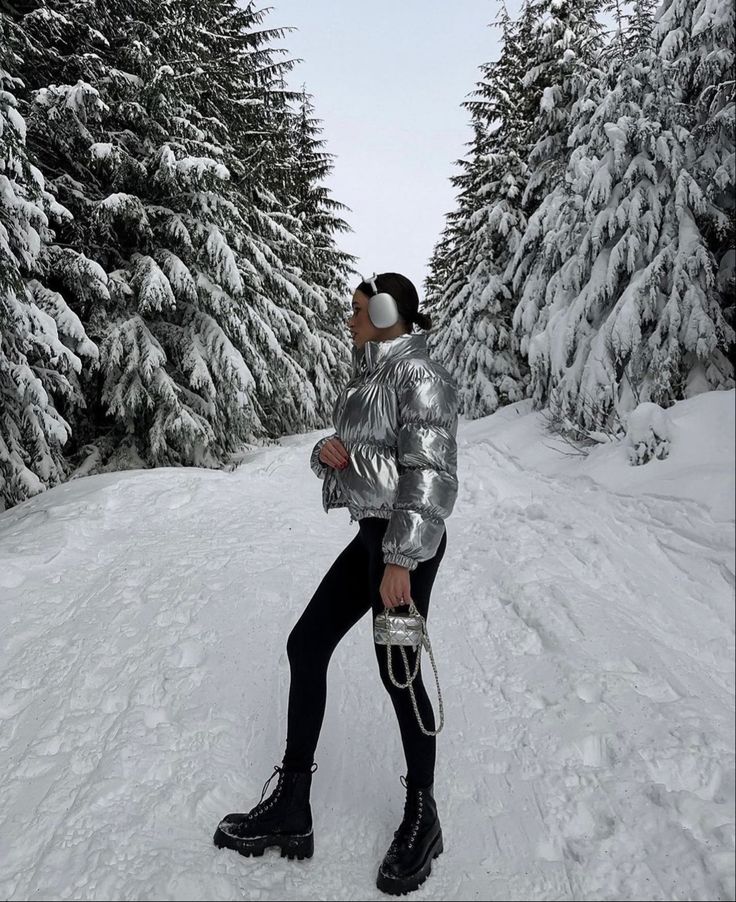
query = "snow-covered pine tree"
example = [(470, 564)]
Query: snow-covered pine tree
[(450, 268), (439, 266), (569, 39), (323, 271), (640, 34), (474, 339), (43, 345), (153, 207), (317, 212), (155, 130), (299, 295), (616, 11), (630, 308), (697, 39)]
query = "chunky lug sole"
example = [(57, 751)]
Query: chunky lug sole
[(292, 845), (399, 886)]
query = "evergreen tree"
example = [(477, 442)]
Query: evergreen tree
[(697, 42), (568, 42), (161, 127), (42, 343), (633, 31), (569, 39), (474, 339), (313, 207), (325, 270), (630, 308), (640, 32), (615, 48)]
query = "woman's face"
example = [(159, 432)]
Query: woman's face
[(360, 325)]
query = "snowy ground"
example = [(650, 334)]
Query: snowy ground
[(588, 746)]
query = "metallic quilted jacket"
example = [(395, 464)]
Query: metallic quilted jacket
[(397, 418)]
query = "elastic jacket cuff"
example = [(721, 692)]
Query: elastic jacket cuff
[(394, 557), (315, 463)]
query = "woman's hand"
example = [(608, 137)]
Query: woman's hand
[(334, 454), (395, 586)]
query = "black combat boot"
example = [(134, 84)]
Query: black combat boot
[(416, 843), (284, 819)]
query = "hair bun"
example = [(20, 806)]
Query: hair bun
[(423, 320)]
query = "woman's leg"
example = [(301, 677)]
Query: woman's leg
[(340, 600), (419, 749)]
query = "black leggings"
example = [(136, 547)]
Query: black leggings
[(349, 589)]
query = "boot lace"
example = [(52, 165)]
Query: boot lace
[(409, 826), (260, 808)]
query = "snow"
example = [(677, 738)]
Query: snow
[(103, 150), (583, 626), (616, 135), (648, 433), (547, 102), (118, 202), (78, 98), (201, 166), (16, 120), (221, 258)]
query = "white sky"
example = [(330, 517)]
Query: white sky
[(387, 80)]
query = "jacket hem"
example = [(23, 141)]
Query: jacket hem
[(335, 505), (358, 513)]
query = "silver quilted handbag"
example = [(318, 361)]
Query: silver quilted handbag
[(402, 630)]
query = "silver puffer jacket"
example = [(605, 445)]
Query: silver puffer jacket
[(397, 418)]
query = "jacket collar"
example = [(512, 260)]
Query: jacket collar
[(374, 353)]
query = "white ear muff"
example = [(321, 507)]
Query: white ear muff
[(382, 309)]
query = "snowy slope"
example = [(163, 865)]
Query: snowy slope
[(588, 745)]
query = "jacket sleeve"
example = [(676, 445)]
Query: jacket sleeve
[(315, 463), (427, 464)]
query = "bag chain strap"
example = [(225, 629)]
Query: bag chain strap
[(409, 683)]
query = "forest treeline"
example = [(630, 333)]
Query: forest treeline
[(171, 280)]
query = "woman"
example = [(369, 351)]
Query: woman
[(392, 462)]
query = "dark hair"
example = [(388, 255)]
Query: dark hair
[(402, 290)]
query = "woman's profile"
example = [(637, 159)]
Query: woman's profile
[(392, 461)]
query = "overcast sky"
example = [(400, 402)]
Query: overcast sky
[(387, 79)]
